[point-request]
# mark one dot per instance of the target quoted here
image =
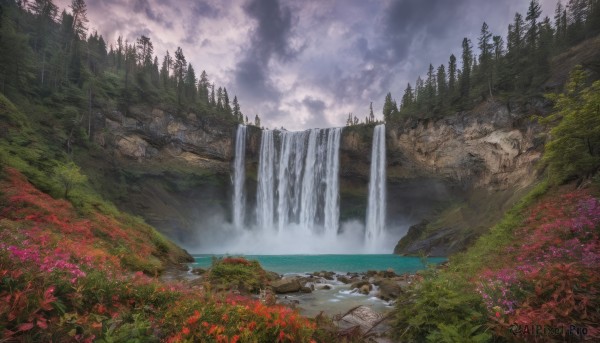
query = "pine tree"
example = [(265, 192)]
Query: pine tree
[(190, 84), (204, 85), (533, 13), (226, 105), (485, 58), (237, 113), (467, 62), (388, 108), (179, 70), (408, 100), (79, 9), (371, 118), (442, 86), (257, 121), (452, 77)]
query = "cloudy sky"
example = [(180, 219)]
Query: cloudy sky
[(303, 64)]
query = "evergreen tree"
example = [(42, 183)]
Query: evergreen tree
[(533, 13), (237, 113), (467, 62), (408, 100), (190, 84), (226, 105), (257, 121), (430, 90), (560, 25), (452, 76), (204, 85), (442, 86), (165, 69), (371, 118), (485, 59), (220, 99), (179, 70), (79, 9), (388, 108)]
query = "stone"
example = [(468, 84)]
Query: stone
[(286, 285), (389, 290), (343, 279), (305, 289), (365, 289), (362, 317)]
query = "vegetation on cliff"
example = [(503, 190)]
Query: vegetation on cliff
[(533, 276)]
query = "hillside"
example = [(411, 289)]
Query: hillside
[(88, 273)]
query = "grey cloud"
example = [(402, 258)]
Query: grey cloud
[(314, 105), (269, 39), (145, 7), (205, 9)]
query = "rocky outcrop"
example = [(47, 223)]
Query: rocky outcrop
[(145, 134), (489, 147), (174, 169)]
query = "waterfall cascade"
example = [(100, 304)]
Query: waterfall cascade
[(376, 207), (298, 181), (239, 176), (297, 196)]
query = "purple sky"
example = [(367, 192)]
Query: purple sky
[(304, 64)]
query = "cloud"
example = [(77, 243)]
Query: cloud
[(306, 63)]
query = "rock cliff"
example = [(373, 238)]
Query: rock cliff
[(174, 170)]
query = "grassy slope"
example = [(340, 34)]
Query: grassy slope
[(78, 270), (538, 266)]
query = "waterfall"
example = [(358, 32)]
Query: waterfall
[(298, 181), (266, 181), (239, 176), (332, 193), (376, 206)]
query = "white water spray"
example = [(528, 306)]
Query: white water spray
[(239, 176), (376, 207)]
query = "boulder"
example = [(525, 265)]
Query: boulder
[(286, 285), (360, 284), (361, 317), (389, 289), (305, 289), (343, 279), (365, 289)]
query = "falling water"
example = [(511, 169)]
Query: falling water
[(376, 206), (298, 182), (265, 214), (239, 175)]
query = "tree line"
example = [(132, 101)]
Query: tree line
[(51, 56), (515, 66)]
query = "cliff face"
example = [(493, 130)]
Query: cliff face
[(175, 170)]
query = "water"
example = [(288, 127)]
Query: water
[(375, 223), (266, 181), (239, 176), (298, 181), (297, 264), (340, 298), (298, 201)]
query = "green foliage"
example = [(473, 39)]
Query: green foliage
[(444, 306), (69, 176), (237, 273), (574, 147), (441, 308)]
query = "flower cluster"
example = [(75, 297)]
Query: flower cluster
[(548, 276)]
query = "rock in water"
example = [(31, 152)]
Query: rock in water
[(286, 285)]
